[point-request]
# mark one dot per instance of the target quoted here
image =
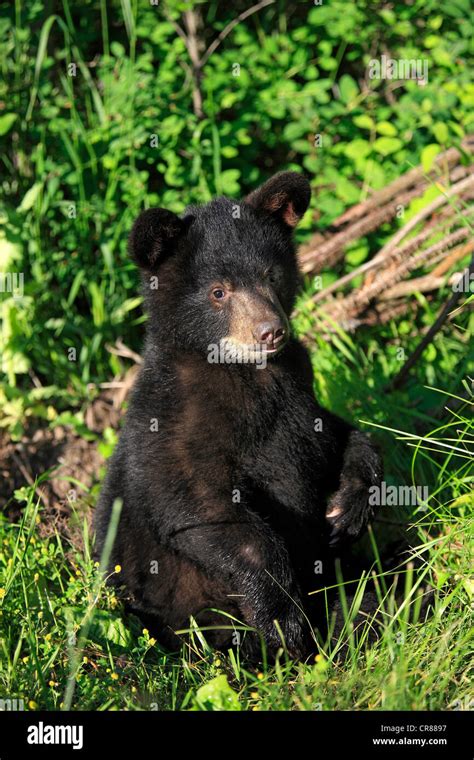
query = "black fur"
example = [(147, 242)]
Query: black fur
[(229, 431)]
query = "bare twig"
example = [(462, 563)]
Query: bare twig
[(120, 349), (316, 254), (194, 44), (441, 200), (222, 35), (18, 459), (192, 22), (414, 176), (409, 247), (313, 257), (417, 285), (363, 296)]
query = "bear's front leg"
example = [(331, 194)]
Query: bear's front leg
[(240, 551), (316, 465), (349, 508)]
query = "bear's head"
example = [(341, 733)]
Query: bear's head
[(224, 273)]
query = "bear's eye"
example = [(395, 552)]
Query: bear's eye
[(219, 293)]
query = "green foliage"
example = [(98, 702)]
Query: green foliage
[(98, 122)]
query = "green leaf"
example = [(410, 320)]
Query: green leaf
[(435, 22), (217, 695), (348, 88), (428, 156), (294, 130), (229, 184), (41, 56), (386, 128), (229, 151), (432, 40), (104, 626), (441, 132), (118, 314), (347, 190), (30, 197), (357, 255), (442, 58), (228, 99), (6, 122), (364, 121), (417, 204), (357, 149), (387, 145), (9, 252), (374, 174)]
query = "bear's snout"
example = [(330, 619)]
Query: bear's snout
[(271, 334), (257, 320)]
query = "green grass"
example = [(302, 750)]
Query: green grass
[(65, 642)]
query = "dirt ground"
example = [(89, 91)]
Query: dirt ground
[(75, 462)]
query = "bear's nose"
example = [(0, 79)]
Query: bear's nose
[(269, 333)]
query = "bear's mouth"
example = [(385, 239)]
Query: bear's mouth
[(234, 352), (271, 351)]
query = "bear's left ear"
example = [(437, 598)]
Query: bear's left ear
[(155, 235), (285, 196)]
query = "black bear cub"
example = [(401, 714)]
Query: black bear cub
[(235, 484)]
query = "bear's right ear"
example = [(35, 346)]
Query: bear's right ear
[(285, 196), (154, 236)]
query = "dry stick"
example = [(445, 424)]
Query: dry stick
[(415, 175), (29, 478), (418, 285), (222, 35), (436, 276), (414, 261), (399, 379), (322, 250), (193, 42), (389, 306), (439, 224), (120, 349), (453, 258), (409, 247), (362, 297), (318, 253), (459, 172), (456, 189), (441, 200), (193, 71), (332, 249), (391, 310)]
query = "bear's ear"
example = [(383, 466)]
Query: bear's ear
[(155, 234), (285, 196)]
